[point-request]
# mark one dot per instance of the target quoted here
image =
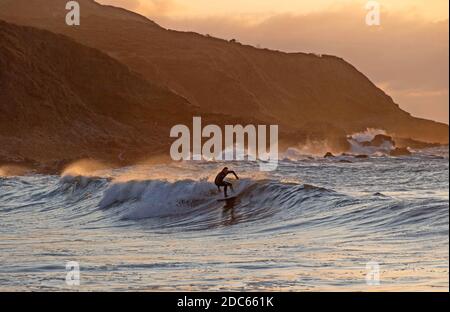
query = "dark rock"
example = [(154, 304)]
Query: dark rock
[(361, 156), (400, 151), (415, 144), (328, 154), (378, 140)]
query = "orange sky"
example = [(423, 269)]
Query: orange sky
[(407, 55)]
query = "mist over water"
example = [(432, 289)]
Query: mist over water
[(312, 224)]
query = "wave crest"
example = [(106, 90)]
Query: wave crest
[(198, 199)]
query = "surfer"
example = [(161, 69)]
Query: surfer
[(220, 182)]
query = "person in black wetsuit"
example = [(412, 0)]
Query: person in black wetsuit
[(220, 182)]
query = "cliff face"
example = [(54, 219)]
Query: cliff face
[(302, 91), (62, 100)]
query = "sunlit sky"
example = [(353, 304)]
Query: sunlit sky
[(430, 9), (407, 55)]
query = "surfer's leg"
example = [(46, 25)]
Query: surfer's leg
[(228, 184), (225, 189)]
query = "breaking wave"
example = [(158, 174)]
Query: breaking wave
[(190, 202), (195, 204)]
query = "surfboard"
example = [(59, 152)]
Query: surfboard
[(227, 198)]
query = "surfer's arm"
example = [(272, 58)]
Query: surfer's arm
[(234, 174)]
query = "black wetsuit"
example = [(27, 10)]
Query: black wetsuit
[(220, 182)]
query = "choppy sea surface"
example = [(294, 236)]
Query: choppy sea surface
[(314, 224)]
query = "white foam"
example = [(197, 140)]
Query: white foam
[(368, 135), (156, 198), (358, 138)]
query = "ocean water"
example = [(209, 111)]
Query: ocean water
[(314, 224)]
